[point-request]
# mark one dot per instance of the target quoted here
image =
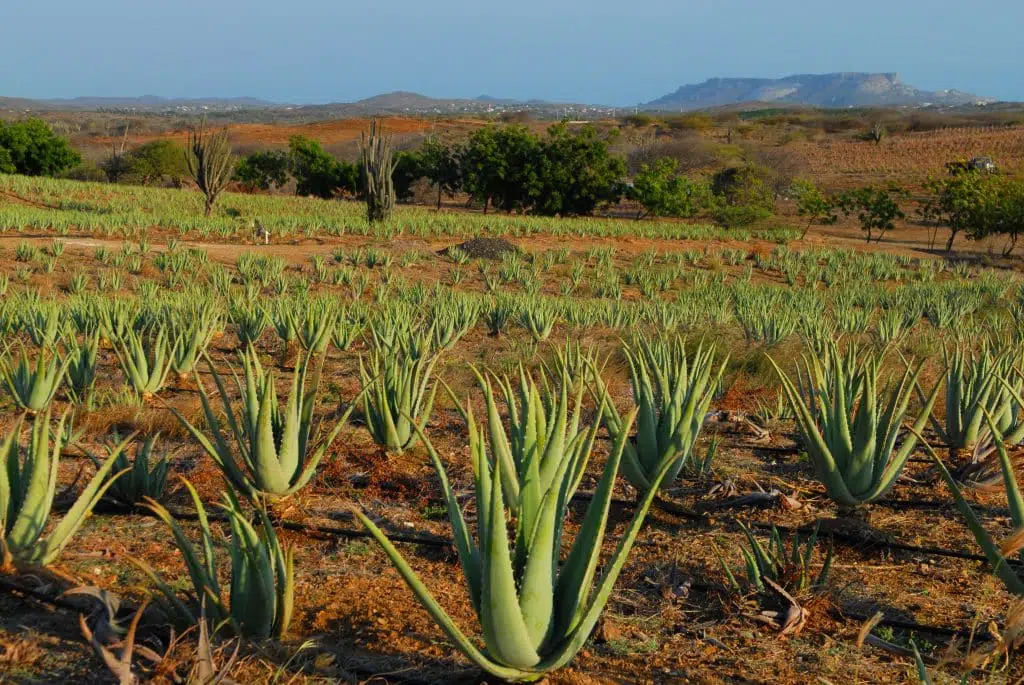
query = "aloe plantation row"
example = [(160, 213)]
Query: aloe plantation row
[(889, 367)]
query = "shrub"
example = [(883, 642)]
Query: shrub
[(750, 184), (662, 191), (35, 150), (86, 171), (155, 162), (317, 172), (264, 170)]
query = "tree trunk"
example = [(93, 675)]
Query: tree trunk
[(209, 206), (438, 197), (949, 243), (1013, 243)]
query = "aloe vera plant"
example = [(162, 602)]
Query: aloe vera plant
[(81, 358), (972, 387), (143, 477), (997, 555), (45, 325), (848, 429), (396, 393), (315, 327), (535, 613), (277, 446), (146, 361), (452, 320), (539, 319), (33, 386), (345, 333), (789, 568), (192, 338), (672, 394), (250, 322), (28, 484), (543, 424), (261, 595)]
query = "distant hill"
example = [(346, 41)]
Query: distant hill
[(820, 90)]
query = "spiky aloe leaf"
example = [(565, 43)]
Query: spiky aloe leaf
[(27, 488)]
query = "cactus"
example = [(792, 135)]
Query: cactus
[(378, 166), (210, 162)]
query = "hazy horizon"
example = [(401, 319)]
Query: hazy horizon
[(313, 51)]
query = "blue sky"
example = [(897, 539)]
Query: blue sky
[(596, 51)]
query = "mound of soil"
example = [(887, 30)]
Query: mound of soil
[(484, 248)]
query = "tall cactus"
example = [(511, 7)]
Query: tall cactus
[(210, 162), (378, 167)]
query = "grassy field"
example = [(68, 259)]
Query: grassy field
[(82, 263)]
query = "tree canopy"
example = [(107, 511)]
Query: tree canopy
[(33, 149)]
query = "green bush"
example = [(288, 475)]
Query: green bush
[(264, 170), (750, 184), (6, 162), (317, 172), (661, 191), (155, 162), (33, 149), (86, 171), (743, 195), (736, 216)]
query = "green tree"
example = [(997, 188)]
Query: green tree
[(500, 167), (264, 170), (876, 207), (813, 204), (575, 173), (317, 172), (155, 161), (1006, 208), (661, 191), (742, 195), (958, 203), (33, 149), (7, 162), (440, 164), (408, 170)]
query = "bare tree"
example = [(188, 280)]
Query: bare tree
[(210, 162), (690, 151)]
